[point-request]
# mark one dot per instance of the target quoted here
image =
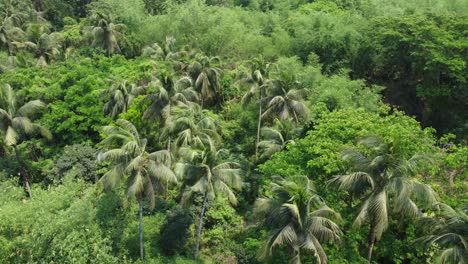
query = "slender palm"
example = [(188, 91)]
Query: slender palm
[(106, 34), (16, 125), (206, 173), (206, 79), (256, 81), (449, 230), (298, 219), (120, 96), (144, 172), (383, 181), (284, 99)]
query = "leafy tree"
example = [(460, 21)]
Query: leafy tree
[(105, 33), (298, 218), (144, 172), (78, 159), (448, 230), (121, 95), (207, 174), (175, 231), (381, 178), (17, 125)]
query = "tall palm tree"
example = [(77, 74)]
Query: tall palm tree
[(43, 44), (256, 81), (206, 78), (105, 33), (298, 219), (120, 96), (207, 173), (144, 172), (449, 230), (16, 125), (284, 98), (382, 180)]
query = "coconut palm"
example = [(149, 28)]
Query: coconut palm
[(298, 219), (43, 44), (207, 173), (120, 96), (9, 32), (206, 79), (165, 52), (192, 127), (382, 180), (16, 125), (130, 160), (105, 33), (256, 81), (276, 138), (284, 99), (448, 229)]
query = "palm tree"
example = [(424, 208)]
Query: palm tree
[(206, 79), (206, 173), (144, 172), (9, 33), (284, 99), (43, 44), (105, 33), (165, 52), (121, 95), (298, 219), (276, 138), (256, 80), (448, 230), (16, 125), (382, 179), (192, 126)]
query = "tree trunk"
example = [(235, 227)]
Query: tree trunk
[(140, 229), (371, 242), (169, 150), (259, 124), (23, 174), (200, 223)]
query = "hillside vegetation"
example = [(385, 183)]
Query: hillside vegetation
[(234, 131)]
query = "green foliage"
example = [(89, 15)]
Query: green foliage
[(210, 89), (175, 231)]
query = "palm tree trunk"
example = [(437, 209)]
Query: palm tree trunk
[(259, 124), (200, 223), (23, 174), (140, 229), (169, 150), (371, 241)]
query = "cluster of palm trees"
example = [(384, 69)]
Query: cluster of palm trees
[(22, 28), (193, 158)]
